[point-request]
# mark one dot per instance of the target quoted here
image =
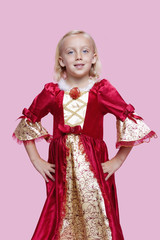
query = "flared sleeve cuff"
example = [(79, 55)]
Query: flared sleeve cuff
[(28, 130), (132, 131)]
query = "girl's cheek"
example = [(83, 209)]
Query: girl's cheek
[(70, 59)]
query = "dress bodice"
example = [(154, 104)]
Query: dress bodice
[(74, 110)]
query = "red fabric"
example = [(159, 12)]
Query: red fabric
[(103, 99), (129, 113), (68, 129)]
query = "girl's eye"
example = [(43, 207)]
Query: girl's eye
[(85, 51), (70, 52)]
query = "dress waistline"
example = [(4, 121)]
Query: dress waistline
[(68, 129)]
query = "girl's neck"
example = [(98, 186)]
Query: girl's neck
[(79, 82), (63, 85)]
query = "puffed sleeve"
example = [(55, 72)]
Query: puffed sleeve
[(30, 127), (131, 128)]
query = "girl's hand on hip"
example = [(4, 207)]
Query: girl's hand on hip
[(44, 168), (111, 166)]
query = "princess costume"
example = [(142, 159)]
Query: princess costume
[(80, 203)]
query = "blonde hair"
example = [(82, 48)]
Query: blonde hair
[(59, 71)]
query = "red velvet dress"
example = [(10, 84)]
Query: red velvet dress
[(80, 203)]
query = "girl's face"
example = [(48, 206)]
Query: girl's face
[(77, 55)]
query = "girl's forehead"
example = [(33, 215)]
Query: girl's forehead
[(76, 41)]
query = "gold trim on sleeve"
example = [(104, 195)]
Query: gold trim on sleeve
[(27, 130), (128, 130)]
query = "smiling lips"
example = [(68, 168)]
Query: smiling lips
[(79, 65)]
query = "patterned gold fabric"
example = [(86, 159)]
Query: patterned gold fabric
[(27, 130), (85, 216), (131, 131)]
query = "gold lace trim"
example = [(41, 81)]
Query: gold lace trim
[(128, 130), (27, 130)]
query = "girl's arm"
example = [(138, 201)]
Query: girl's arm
[(123, 153), (43, 167), (115, 163), (131, 129)]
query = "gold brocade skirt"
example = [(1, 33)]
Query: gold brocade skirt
[(85, 216)]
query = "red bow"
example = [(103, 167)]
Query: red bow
[(68, 129), (129, 112), (24, 117)]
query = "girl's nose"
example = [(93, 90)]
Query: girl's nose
[(78, 55)]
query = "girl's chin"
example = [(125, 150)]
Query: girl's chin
[(79, 75)]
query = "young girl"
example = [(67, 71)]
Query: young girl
[(81, 198)]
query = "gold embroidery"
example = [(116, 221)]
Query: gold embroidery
[(131, 131), (85, 209), (27, 130)]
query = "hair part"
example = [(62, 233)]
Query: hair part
[(59, 71)]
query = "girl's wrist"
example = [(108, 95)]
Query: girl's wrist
[(120, 159), (35, 159), (123, 153)]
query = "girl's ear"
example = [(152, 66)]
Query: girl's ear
[(94, 59), (61, 61)]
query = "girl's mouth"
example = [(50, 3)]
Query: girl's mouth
[(79, 66)]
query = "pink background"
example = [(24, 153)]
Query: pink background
[(127, 38)]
